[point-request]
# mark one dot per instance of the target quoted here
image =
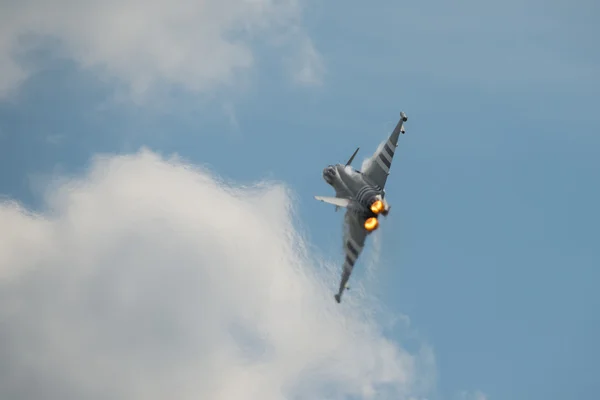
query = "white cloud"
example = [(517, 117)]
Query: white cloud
[(148, 279), (475, 395), (309, 68), (199, 44)]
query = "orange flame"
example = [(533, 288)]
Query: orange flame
[(371, 224), (377, 206)]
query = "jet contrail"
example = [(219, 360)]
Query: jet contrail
[(373, 261)]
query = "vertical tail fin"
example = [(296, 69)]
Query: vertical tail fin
[(352, 158)]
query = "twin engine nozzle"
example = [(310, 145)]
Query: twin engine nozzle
[(378, 207)]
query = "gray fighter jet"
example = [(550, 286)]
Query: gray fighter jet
[(362, 194)]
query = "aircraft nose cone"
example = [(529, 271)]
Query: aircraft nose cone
[(328, 174)]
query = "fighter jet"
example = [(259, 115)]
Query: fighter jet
[(362, 194)]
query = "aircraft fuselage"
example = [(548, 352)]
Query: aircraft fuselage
[(352, 184)]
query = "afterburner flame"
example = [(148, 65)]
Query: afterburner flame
[(371, 224), (377, 206)]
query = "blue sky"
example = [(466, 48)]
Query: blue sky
[(491, 248)]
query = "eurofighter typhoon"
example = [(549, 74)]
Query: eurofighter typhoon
[(362, 194)]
